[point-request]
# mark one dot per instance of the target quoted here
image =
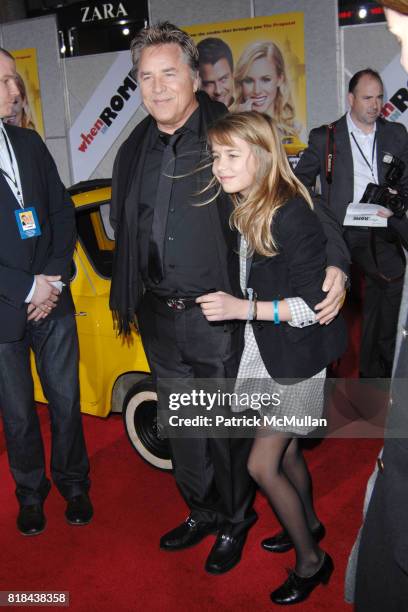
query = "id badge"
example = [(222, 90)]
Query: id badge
[(27, 222)]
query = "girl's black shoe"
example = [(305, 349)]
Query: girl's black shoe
[(281, 542), (296, 588)]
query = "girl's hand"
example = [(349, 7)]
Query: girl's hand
[(220, 306)]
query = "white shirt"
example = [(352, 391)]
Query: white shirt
[(362, 173)]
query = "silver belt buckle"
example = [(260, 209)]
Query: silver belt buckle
[(176, 303)]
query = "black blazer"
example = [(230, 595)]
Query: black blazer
[(51, 252), (298, 270)]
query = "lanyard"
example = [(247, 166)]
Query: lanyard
[(17, 192), (371, 166)]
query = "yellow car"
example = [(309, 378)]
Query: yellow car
[(113, 373), (294, 148)]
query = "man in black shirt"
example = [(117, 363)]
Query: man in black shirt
[(170, 251)]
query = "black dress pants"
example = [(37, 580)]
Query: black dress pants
[(382, 300), (211, 473), (55, 344)]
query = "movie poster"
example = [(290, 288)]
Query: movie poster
[(27, 109), (396, 92), (258, 64)]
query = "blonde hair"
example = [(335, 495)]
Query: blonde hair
[(26, 116), (283, 107), (274, 183)]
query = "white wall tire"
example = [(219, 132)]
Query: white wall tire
[(140, 420)]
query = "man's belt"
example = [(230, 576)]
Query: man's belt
[(176, 303), (180, 303)]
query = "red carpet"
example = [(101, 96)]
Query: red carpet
[(115, 564)]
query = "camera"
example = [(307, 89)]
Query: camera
[(380, 194)]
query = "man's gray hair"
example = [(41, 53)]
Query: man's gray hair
[(164, 33)]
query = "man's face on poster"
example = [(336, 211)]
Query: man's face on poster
[(217, 81)]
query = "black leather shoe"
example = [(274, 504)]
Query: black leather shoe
[(226, 552), (296, 588), (31, 520), (79, 510), (281, 542), (187, 534)]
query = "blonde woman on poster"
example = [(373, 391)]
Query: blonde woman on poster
[(21, 116), (261, 84)]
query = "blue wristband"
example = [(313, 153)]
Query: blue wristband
[(276, 318)]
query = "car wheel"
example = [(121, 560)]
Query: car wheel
[(140, 419)]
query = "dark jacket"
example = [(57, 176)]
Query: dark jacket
[(298, 270), (51, 252), (391, 138)]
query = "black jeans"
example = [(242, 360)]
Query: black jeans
[(55, 345)]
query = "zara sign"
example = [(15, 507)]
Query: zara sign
[(103, 11), (102, 26)]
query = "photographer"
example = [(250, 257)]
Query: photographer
[(348, 155)]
